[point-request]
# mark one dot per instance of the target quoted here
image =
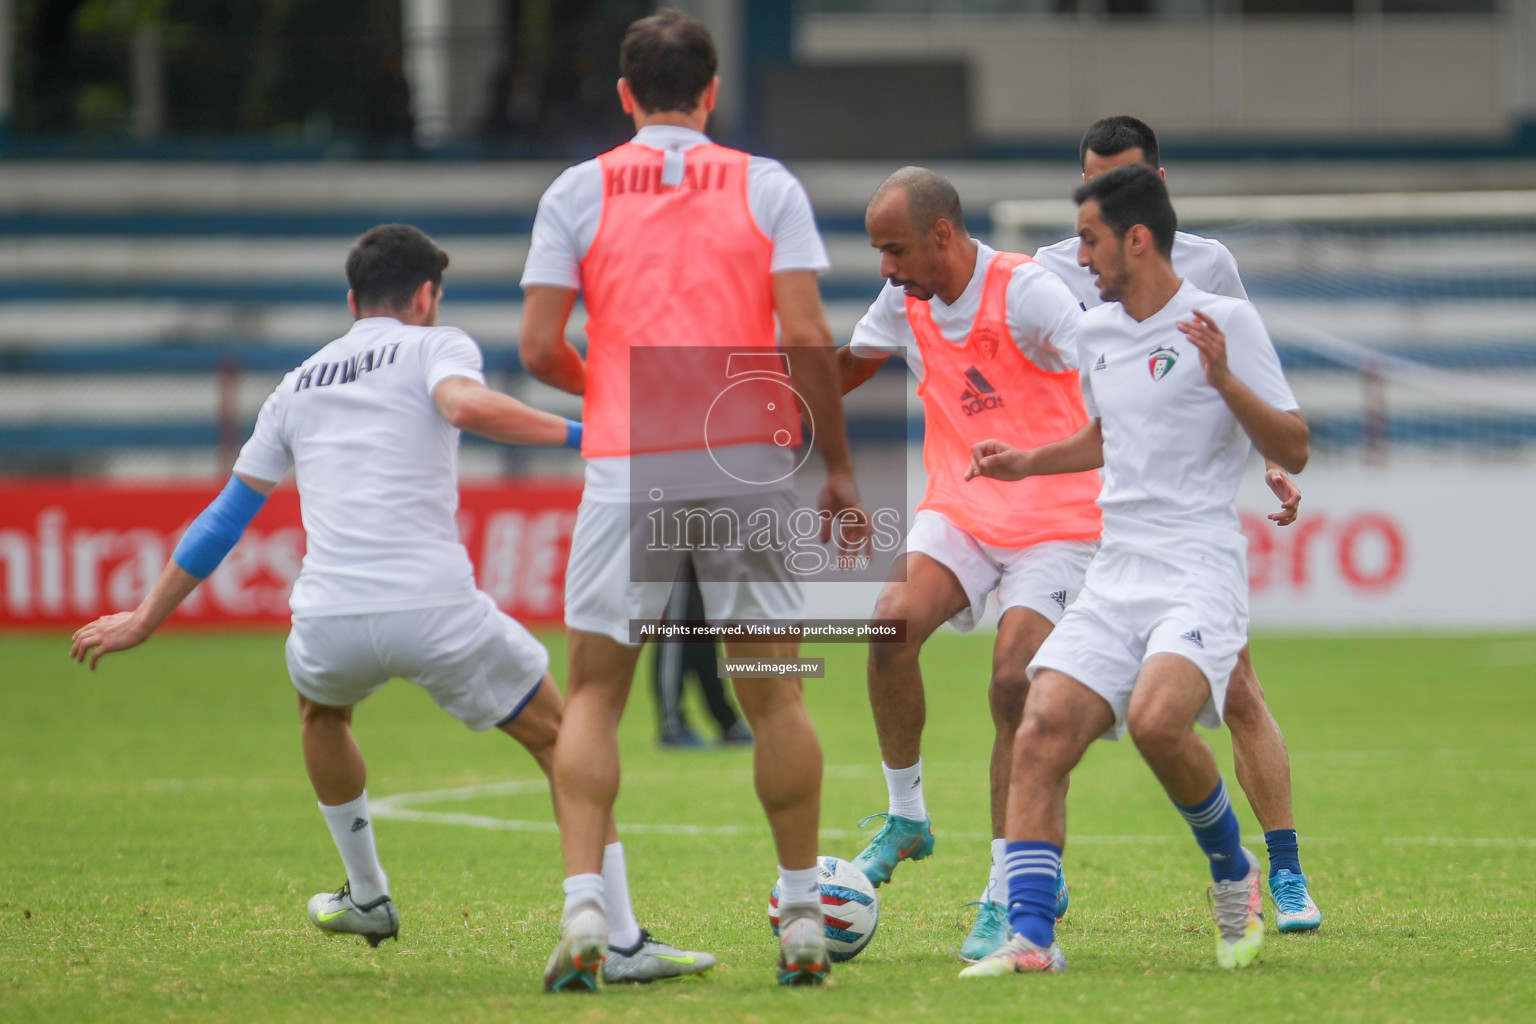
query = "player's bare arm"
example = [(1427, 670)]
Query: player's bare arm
[(1281, 437), (1285, 489), (470, 405), (807, 340), (1078, 453), (853, 370), (122, 630), (545, 350)]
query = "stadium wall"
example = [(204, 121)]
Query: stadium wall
[(1459, 75)]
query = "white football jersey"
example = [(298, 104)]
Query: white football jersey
[(1204, 262), (377, 468), (1042, 318), (1173, 450)]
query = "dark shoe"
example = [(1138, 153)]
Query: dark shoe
[(738, 735), (682, 739)]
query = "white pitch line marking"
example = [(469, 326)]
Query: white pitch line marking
[(403, 807)]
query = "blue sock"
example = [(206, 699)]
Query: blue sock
[(1032, 869), (1216, 831), (1284, 854)]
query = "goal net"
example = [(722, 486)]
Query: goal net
[(1406, 321)]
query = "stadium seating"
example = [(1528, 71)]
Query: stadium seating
[(149, 308)]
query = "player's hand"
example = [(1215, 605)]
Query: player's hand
[(1203, 333), (1289, 494), (842, 512), (107, 634), (997, 460)]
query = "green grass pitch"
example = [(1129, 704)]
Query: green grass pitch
[(158, 840)]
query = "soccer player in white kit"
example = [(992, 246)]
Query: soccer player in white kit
[(1259, 754), (1027, 546), (1182, 381), (370, 424), (682, 247)]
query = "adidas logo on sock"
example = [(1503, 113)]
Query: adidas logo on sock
[(358, 824)]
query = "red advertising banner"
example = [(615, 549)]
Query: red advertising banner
[(72, 551)]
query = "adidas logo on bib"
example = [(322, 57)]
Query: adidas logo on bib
[(980, 396)]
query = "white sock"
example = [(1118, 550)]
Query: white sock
[(799, 888), (623, 929), (353, 832), (997, 878), (905, 786), (581, 889)]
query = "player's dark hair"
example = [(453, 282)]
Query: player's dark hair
[(1111, 135), (1129, 195), (388, 264), (930, 198), (668, 60)]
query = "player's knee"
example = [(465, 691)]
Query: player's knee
[(1043, 738), (1155, 732), (884, 658), (1005, 695), (537, 725), (1245, 697), (894, 603), (765, 700), (538, 737)]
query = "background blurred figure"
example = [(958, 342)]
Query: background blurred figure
[(700, 658)]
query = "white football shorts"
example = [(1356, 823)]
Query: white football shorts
[(1133, 607), (477, 662), (737, 586), (1043, 577)]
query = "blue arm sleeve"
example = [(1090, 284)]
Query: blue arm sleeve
[(218, 528), (573, 433)]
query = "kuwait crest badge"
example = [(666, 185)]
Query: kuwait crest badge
[(1161, 361), (986, 341)]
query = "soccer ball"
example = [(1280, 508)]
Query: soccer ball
[(849, 907)]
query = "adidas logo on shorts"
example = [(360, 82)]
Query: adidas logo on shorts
[(1060, 597), (1193, 636)]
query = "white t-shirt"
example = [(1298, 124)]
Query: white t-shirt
[(377, 468), (572, 207), (1204, 262), (1173, 451), (1042, 318)]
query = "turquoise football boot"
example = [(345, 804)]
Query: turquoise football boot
[(988, 933), (1294, 909), (900, 839)]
